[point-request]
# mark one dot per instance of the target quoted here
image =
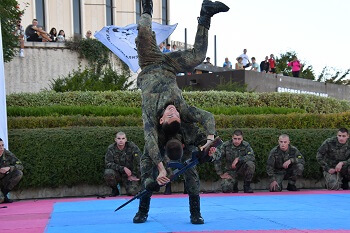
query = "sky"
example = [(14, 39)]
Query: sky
[(317, 30)]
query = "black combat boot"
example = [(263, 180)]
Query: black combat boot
[(196, 217), (292, 187), (167, 190), (6, 199), (247, 188), (209, 9), (345, 184), (115, 192), (142, 214), (147, 6), (235, 187)]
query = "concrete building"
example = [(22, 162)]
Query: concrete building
[(76, 17)]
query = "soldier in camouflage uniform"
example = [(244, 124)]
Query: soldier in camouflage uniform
[(122, 162), (233, 158), (162, 100), (334, 158), (10, 172), (285, 162)]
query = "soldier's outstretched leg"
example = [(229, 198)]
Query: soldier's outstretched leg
[(196, 217), (142, 215)]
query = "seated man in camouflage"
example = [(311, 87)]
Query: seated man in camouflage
[(334, 158), (122, 162), (285, 162), (233, 158), (10, 172), (163, 106)]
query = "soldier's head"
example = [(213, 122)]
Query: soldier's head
[(237, 137), (343, 135), (283, 141), (170, 121), (2, 148), (120, 139), (174, 149)]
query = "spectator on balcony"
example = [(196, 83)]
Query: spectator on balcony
[(19, 32), (239, 64), (272, 64), (264, 65), (53, 34), (255, 66), (88, 35), (167, 49), (227, 63), (207, 61), (174, 48), (245, 61), (35, 33), (296, 66), (162, 47), (61, 36)]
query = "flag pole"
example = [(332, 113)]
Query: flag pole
[(3, 111)]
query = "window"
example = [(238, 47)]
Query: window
[(165, 12), (109, 12), (138, 10), (76, 17), (40, 12)]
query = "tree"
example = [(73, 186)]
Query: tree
[(10, 14), (282, 67), (332, 75)]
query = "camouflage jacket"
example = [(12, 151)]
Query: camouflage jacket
[(129, 157), (159, 89), (228, 152), (332, 152), (277, 157), (8, 159)]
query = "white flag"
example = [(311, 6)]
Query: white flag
[(3, 113), (121, 40)]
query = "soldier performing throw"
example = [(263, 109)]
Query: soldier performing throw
[(163, 106)]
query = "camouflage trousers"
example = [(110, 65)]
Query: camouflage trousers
[(179, 61), (9, 181), (113, 178), (334, 181), (292, 173), (245, 170)]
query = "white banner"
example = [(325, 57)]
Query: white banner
[(121, 40), (3, 112)]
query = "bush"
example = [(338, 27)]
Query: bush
[(73, 156), (289, 121), (309, 103)]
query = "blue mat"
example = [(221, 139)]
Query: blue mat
[(268, 212)]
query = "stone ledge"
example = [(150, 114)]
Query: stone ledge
[(45, 45)]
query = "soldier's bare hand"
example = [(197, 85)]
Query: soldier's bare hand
[(273, 186), (133, 178), (331, 171), (286, 164), (127, 171), (3, 170), (234, 163), (211, 151), (339, 166), (225, 176)]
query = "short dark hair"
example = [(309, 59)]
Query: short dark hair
[(168, 45), (1, 140), (237, 132), (171, 129), (253, 58), (343, 130), (173, 149)]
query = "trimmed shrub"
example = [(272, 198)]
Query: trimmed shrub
[(309, 103), (289, 121), (72, 156)]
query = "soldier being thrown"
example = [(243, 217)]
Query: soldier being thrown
[(163, 106)]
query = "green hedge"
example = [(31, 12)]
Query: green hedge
[(72, 156), (289, 121), (309, 103), (57, 110)]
